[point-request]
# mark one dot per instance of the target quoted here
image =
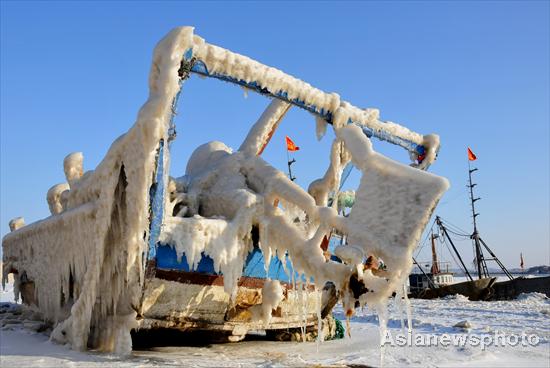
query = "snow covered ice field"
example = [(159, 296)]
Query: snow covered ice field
[(530, 314)]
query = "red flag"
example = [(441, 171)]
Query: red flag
[(290, 145), (471, 155), (521, 260)]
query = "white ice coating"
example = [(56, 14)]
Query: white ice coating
[(392, 213), (261, 132), (320, 127), (73, 167), (321, 188), (272, 295), (90, 255), (55, 198), (224, 62), (16, 223), (98, 241), (234, 191), (349, 253)]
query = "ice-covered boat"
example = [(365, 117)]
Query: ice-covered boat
[(438, 284), (233, 245)]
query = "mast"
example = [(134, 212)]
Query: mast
[(481, 263), (435, 264)]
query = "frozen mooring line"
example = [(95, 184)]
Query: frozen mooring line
[(233, 245)]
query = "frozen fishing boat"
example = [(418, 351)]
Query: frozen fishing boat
[(437, 284), (427, 285), (233, 245)]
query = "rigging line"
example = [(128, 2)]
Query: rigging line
[(451, 253), (419, 250), (452, 226), (462, 239), (458, 234), (423, 243), (427, 236), (448, 223), (464, 236), (452, 199), (454, 231), (457, 231), (452, 256)]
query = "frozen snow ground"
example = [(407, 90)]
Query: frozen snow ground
[(530, 314)]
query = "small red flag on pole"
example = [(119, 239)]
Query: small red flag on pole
[(290, 146), (471, 155), (521, 260)]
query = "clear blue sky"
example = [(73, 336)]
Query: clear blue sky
[(73, 76)]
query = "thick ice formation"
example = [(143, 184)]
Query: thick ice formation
[(231, 192), (88, 259), (17, 223), (220, 63), (72, 165), (91, 256), (261, 132), (330, 182), (272, 295), (56, 198)]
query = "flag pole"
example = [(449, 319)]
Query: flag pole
[(290, 146), (290, 162)]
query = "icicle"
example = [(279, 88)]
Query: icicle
[(16, 283), (407, 309), (399, 304), (348, 327), (319, 320), (320, 127), (304, 309), (382, 311)]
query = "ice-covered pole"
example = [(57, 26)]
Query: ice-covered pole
[(262, 131)]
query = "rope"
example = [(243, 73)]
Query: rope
[(423, 243), (444, 241), (454, 229)]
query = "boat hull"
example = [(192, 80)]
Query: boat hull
[(511, 289), (190, 301), (474, 290)]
